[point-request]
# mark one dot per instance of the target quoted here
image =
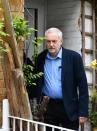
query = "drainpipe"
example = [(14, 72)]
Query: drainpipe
[(5, 124)]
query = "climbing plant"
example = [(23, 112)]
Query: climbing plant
[(2, 35), (23, 32)]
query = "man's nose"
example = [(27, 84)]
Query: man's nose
[(51, 43)]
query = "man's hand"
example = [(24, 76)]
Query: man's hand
[(82, 120)]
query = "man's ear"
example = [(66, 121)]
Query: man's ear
[(61, 41)]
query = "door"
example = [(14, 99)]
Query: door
[(34, 12)]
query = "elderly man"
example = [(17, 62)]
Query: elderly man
[(64, 82)]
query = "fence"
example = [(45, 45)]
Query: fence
[(31, 125), (12, 123)]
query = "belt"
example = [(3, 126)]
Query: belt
[(57, 100)]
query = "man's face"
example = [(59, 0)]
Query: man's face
[(53, 43)]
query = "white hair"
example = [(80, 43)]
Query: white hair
[(56, 30)]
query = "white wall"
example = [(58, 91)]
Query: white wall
[(65, 14)]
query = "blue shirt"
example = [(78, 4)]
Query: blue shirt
[(52, 76)]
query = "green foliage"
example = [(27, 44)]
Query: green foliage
[(93, 108), (93, 118), (21, 27), (2, 34), (36, 42), (29, 76), (22, 30)]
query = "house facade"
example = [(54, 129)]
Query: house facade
[(78, 22), (76, 19)]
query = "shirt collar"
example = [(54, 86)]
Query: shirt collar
[(59, 55)]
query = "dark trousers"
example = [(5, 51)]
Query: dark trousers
[(57, 116)]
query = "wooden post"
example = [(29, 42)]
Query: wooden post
[(94, 40), (16, 92), (83, 29), (10, 30), (14, 82)]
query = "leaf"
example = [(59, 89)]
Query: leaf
[(29, 76)]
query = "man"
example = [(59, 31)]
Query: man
[(64, 82)]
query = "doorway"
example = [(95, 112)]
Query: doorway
[(34, 12)]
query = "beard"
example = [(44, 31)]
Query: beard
[(53, 51)]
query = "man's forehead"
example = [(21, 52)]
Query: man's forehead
[(52, 35)]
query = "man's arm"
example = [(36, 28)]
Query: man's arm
[(83, 91)]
